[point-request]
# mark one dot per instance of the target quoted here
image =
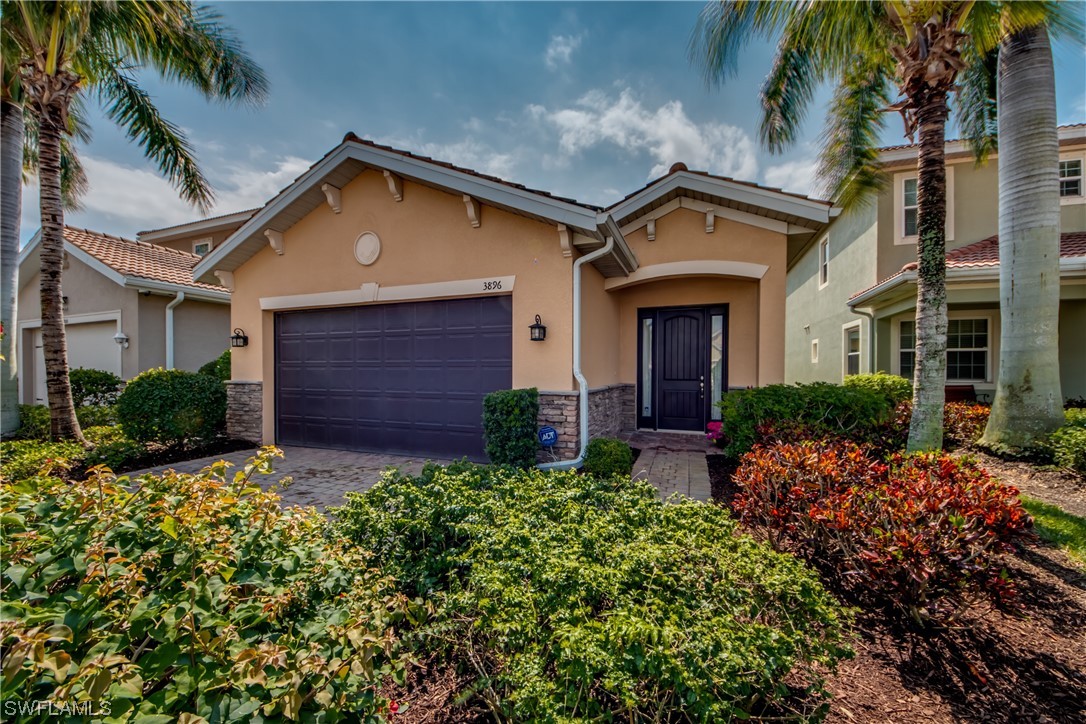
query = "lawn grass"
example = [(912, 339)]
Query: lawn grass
[(1058, 527)]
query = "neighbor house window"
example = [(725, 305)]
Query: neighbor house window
[(1071, 177), (967, 348), (823, 262), (852, 351), (910, 207), (814, 351), (201, 247)]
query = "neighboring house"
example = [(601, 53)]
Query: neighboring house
[(128, 306), (852, 290), (383, 294)]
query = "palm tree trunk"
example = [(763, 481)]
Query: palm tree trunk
[(1028, 401), (929, 394), (63, 423), (11, 202)]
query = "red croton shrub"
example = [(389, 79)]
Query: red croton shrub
[(925, 532)]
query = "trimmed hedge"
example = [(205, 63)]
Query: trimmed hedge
[(34, 420), (219, 368), (509, 426), (567, 597), (172, 407), (1068, 444), (92, 387), (892, 387), (606, 456)]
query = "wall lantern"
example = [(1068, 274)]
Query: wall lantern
[(239, 339), (121, 339), (539, 330)]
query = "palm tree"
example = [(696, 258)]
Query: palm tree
[(919, 46), (1028, 401), (65, 48)]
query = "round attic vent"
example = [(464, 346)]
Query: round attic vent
[(678, 166), (367, 247)]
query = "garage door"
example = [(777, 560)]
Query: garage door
[(400, 378)]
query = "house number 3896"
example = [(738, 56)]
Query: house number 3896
[(492, 286)]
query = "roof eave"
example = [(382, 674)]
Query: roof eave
[(191, 292), (203, 226)]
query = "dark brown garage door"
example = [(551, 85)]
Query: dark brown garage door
[(399, 378)]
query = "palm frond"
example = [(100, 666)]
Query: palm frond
[(724, 29), (976, 101), (786, 96), (73, 178), (849, 167)]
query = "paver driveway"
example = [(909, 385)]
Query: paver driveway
[(321, 477)]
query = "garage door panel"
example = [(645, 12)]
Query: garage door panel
[(407, 378)]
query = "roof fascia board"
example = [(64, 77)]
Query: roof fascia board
[(909, 153), (195, 227), (607, 226), (205, 295), (483, 189), (815, 211)]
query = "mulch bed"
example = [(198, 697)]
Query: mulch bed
[(998, 666), (157, 455)]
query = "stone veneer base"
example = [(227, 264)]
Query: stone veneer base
[(610, 411), (245, 410)]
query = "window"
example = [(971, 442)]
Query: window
[(852, 350), (1070, 177), (823, 262), (966, 349), (201, 247), (814, 351), (646, 367), (716, 364), (911, 207)]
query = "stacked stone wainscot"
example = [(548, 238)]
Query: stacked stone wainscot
[(245, 410), (610, 412)]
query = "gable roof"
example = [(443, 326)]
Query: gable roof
[(341, 165), (206, 225), (980, 255), (128, 263)]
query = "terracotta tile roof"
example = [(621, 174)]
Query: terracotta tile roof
[(444, 164), (986, 253), (139, 258), (675, 168), (250, 213)]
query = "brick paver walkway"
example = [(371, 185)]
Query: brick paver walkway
[(673, 462), (321, 477)]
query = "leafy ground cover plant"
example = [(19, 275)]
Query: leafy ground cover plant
[(1068, 444), (34, 420), (608, 456), (571, 597), (191, 596), (927, 533)]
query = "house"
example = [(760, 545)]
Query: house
[(383, 294), (851, 292), (128, 306)]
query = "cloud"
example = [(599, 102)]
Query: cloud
[(666, 134), (560, 50), (797, 176)]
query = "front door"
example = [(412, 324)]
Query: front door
[(682, 366)]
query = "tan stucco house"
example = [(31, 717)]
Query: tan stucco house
[(851, 299), (128, 306), (383, 294)]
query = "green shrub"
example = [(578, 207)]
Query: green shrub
[(193, 598), (605, 457), (820, 406), (576, 598), (1068, 444), (509, 426), (892, 387), (112, 449), (34, 420), (23, 459), (172, 407), (94, 387), (219, 368)]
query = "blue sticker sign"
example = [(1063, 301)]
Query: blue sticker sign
[(547, 436)]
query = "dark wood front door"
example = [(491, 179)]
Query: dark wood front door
[(681, 367)]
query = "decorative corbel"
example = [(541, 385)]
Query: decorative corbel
[(473, 211), (275, 240), (333, 197), (710, 221), (650, 229), (565, 237), (395, 185), (225, 278)]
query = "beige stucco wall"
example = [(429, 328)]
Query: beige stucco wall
[(184, 242), (602, 327), (426, 238), (201, 332), (1073, 345)]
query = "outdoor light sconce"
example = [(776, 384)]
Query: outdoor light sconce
[(121, 339), (64, 302), (539, 330), (239, 339)]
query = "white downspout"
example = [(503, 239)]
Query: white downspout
[(582, 383), (169, 328)]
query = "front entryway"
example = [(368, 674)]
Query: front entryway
[(682, 366)]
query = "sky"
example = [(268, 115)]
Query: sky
[(586, 100)]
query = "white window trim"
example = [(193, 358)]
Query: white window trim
[(823, 243), (845, 329), (989, 373), (814, 351), (899, 206), (1079, 156), (210, 245)]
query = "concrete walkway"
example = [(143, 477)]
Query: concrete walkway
[(320, 477), (673, 462)]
